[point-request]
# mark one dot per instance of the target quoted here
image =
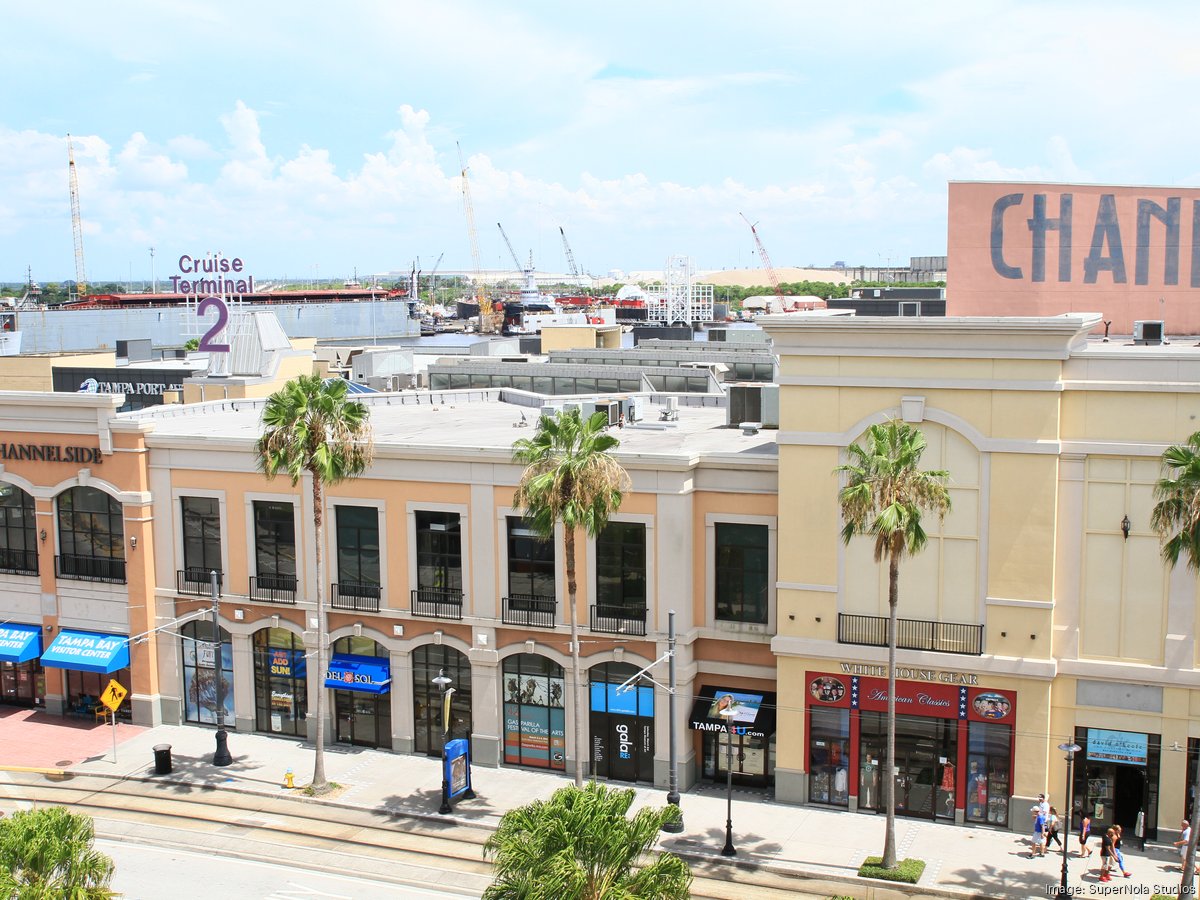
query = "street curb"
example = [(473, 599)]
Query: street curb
[(37, 770)]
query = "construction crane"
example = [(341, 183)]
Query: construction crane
[(766, 260), (76, 221), (433, 278), (570, 258), (512, 252), (485, 306)]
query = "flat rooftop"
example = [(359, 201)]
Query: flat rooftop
[(457, 423)]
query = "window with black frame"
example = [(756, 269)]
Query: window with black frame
[(91, 535), (275, 545), (621, 572), (201, 540), (439, 553), (358, 550), (530, 562), (742, 572), (18, 531)]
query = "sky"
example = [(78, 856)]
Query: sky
[(319, 140)]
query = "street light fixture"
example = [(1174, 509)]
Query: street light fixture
[(221, 757), (675, 827), (728, 850), (1069, 749), (443, 682)]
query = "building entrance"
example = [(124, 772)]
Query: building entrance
[(926, 749), (357, 720), (1116, 779)]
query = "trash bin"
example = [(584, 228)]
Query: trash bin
[(162, 759)]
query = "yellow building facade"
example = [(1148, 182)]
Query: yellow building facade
[(1040, 612)]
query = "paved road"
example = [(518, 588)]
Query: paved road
[(159, 873)]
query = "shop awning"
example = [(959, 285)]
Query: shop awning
[(20, 643), (88, 651), (754, 710), (369, 674)]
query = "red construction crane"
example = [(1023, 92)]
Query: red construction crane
[(766, 260)]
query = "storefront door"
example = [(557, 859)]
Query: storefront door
[(925, 752), (1118, 778), (22, 684), (357, 719)]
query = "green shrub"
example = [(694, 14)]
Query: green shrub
[(908, 871)]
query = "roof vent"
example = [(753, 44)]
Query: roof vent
[(1148, 331), (750, 428)]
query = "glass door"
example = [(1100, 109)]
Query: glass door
[(365, 732), (343, 708)]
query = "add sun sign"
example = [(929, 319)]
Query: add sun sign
[(113, 695)]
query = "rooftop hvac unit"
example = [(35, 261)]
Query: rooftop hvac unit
[(1148, 331), (635, 408), (753, 403), (549, 410)]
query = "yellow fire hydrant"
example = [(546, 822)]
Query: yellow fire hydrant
[(289, 780)]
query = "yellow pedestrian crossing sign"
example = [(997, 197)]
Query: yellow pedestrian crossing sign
[(113, 695)]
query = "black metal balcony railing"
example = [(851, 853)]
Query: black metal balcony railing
[(18, 562), (533, 610), (196, 580), (273, 588), (437, 603), (356, 595), (90, 568), (911, 634), (618, 619)]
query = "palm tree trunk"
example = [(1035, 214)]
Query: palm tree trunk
[(1187, 881), (319, 784), (580, 740), (889, 776)]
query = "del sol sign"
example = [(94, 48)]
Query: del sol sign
[(51, 453)]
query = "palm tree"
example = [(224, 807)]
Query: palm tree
[(570, 477), (310, 426), (47, 854), (1176, 519), (884, 496), (580, 844)]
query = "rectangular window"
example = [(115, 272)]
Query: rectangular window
[(274, 540), (530, 561), (201, 535), (357, 544), (439, 551), (621, 568), (742, 565)]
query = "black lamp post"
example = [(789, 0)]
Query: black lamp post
[(673, 767), (728, 850), (1069, 749), (443, 681), (221, 757)]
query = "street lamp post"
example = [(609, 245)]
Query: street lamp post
[(728, 850), (221, 757), (1069, 749), (443, 681), (673, 763)]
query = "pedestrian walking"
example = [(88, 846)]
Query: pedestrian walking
[(1117, 854), (1106, 855), (1085, 831), (1037, 845), (1052, 829), (1185, 835)]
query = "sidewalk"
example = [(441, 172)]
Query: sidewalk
[(965, 861)]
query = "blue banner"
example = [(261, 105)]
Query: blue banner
[(456, 760), (87, 651), (633, 701), (20, 643), (369, 674), (1126, 747)]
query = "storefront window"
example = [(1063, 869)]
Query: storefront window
[(84, 690), (362, 717), (1116, 778), (926, 750), (989, 761), (534, 717), (427, 661), (280, 682), (621, 724), (22, 684), (199, 683), (829, 755)]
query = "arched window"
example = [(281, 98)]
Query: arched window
[(534, 717), (427, 661), (199, 683), (91, 536), (18, 531), (361, 716), (280, 682)]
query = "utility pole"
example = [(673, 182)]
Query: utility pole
[(672, 762), (221, 757)]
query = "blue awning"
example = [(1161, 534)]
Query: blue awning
[(20, 643), (87, 651), (370, 674)]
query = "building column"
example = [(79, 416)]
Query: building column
[(403, 737), (243, 682), (487, 719)]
